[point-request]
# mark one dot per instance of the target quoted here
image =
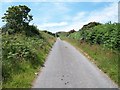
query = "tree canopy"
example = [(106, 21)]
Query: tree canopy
[(17, 17)]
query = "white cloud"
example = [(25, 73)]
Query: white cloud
[(53, 24), (109, 13), (79, 16), (51, 14)]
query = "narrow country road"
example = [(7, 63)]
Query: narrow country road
[(66, 67)]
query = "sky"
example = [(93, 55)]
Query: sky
[(58, 15)]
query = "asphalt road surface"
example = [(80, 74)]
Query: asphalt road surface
[(66, 67)]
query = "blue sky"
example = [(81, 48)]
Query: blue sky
[(64, 16)]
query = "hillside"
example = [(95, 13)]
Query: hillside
[(22, 57), (101, 44), (106, 35), (24, 48)]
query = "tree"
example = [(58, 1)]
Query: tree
[(17, 17)]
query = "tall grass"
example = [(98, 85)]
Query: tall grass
[(23, 56), (104, 58)]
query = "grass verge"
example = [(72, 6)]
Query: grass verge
[(105, 59), (23, 56)]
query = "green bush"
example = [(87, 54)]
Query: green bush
[(18, 49), (107, 35)]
